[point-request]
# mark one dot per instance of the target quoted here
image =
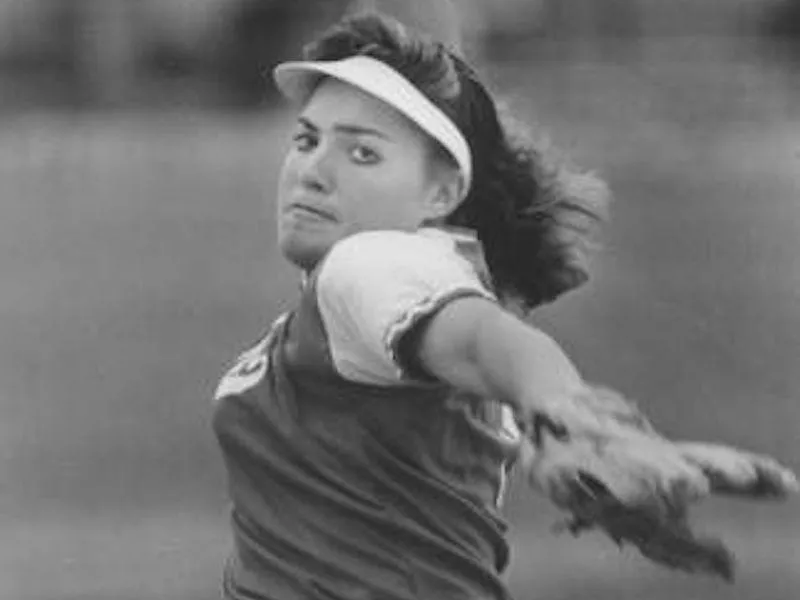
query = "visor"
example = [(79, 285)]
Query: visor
[(297, 80)]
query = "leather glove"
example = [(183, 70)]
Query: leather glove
[(597, 457)]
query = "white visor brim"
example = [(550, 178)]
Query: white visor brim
[(297, 80)]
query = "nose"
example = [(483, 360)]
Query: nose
[(316, 172)]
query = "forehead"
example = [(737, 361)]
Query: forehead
[(335, 102)]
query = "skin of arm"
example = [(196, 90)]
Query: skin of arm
[(477, 346)]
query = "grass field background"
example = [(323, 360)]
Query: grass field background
[(137, 257)]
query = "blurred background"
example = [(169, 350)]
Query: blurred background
[(139, 145)]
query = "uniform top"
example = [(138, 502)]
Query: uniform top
[(353, 474)]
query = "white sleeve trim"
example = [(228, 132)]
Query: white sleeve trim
[(416, 313)]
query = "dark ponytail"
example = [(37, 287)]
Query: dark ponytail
[(534, 213)]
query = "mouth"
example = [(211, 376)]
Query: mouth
[(310, 210)]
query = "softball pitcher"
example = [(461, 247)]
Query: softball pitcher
[(368, 435)]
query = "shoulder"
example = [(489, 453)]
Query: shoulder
[(388, 255), (375, 287), (396, 246)]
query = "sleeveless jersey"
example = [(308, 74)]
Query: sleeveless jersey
[(368, 484)]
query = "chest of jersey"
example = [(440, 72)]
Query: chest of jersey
[(313, 459)]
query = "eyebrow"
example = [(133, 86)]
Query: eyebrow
[(346, 128)]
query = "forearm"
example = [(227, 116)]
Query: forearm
[(476, 346), (520, 364)]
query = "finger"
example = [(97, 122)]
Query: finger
[(738, 473), (544, 423)]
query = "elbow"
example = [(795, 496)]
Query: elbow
[(523, 365)]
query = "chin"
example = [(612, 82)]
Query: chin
[(304, 254)]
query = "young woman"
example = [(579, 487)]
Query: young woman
[(368, 435)]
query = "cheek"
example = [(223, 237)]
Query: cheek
[(386, 200), (286, 179)]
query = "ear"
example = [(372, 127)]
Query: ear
[(446, 195)]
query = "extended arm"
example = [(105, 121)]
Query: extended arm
[(394, 302), (475, 345)]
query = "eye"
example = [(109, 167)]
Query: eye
[(364, 155), (304, 141)]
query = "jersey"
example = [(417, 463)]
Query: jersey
[(351, 474)]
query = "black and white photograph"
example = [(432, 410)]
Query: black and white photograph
[(400, 299)]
